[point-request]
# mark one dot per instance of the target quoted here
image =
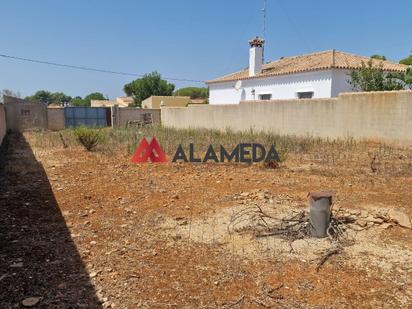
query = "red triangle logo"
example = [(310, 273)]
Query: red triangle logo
[(145, 152)]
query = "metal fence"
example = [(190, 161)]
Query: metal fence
[(88, 116)]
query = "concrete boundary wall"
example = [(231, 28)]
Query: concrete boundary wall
[(55, 119), (3, 125), (374, 115), (24, 115), (121, 116)]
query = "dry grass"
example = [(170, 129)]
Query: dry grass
[(374, 156)]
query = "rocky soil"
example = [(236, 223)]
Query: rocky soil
[(89, 229)]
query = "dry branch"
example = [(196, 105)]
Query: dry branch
[(63, 141), (327, 255)]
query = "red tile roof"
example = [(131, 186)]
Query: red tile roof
[(330, 59)]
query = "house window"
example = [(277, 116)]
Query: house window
[(305, 95), (265, 96)]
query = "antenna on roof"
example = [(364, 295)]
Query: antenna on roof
[(264, 28), (264, 18)]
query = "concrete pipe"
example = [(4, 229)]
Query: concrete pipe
[(319, 213)]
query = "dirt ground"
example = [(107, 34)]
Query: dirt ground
[(92, 230)]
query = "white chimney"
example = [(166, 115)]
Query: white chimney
[(256, 56)]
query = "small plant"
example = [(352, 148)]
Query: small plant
[(88, 137), (283, 154), (63, 141)]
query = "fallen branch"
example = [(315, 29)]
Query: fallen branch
[(261, 303)]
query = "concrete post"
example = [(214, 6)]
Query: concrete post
[(115, 116), (319, 213)]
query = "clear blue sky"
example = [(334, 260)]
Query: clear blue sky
[(184, 39)]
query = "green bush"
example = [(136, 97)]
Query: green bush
[(193, 92), (88, 137)]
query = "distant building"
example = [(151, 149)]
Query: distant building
[(198, 101), (120, 101), (155, 102), (317, 75)]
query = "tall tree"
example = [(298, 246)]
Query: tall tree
[(86, 101), (78, 101), (150, 84), (42, 96), (374, 78), (94, 96), (48, 97), (60, 98)]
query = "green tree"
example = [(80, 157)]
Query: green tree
[(48, 97), (408, 77), (60, 98), (86, 101), (94, 96), (78, 101), (193, 92), (42, 96), (379, 57), (373, 78), (150, 84), (407, 60)]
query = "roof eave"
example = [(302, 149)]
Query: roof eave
[(295, 72)]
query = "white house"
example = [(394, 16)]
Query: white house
[(317, 75)]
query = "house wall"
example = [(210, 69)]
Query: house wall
[(3, 126), (281, 87), (55, 119), (103, 103), (124, 101), (376, 115), (155, 101), (340, 82)]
